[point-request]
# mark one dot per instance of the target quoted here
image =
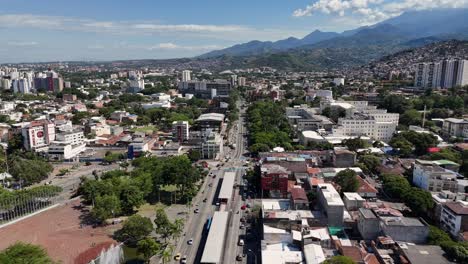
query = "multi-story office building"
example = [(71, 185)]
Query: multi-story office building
[(434, 178), (443, 74), (180, 131), (212, 145), (362, 119), (206, 89), (67, 145), (379, 128), (186, 76), (38, 135), (304, 118)]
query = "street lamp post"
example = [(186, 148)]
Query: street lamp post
[(255, 255)]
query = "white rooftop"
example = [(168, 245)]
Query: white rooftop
[(313, 254), (312, 135), (227, 186), (275, 204), (352, 196), (331, 195), (213, 247), (281, 253)]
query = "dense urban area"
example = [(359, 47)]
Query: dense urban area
[(183, 162)]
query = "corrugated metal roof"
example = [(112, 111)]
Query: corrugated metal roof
[(215, 240), (227, 186)]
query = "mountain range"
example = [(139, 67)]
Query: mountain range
[(324, 50)]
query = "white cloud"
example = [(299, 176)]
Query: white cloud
[(57, 22), (371, 11), (22, 43), (172, 46), (190, 28)]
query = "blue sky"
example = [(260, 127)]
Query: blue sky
[(48, 30)]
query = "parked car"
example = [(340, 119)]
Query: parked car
[(183, 260), (190, 241), (239, 257), (177, 256), (196, 211), (241, 242)]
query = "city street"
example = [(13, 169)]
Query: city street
[(195, 227)]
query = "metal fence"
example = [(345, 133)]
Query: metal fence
[(23, 203)]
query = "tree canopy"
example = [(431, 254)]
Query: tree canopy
[(22, 253), (418, 200), (134, 229), (347, 180), (268, 126), (339, 260)]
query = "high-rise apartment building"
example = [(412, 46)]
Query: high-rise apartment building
[(186, 76), (443, 74), (241, 81)]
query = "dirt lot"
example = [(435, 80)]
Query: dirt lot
[(60, 232)]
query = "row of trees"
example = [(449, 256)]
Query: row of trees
[(268, 126), (417, 199), (457, 251), (411, 142)]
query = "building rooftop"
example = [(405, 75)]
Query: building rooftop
[(402, 221), (457, 207), (313, 254), (216, 234), (281, 253), (312, 135), (424, 254), (298, 194), (211, 117), (367, 213), (331, 195), (353, 196), (227, 186), (275, 204)]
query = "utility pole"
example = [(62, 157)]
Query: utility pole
[(424, 116)]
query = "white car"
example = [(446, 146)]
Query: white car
[(196, 211), (184, 259), (190, 241)]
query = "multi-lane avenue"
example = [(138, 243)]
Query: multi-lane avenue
[(191, 244)]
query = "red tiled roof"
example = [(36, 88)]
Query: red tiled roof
[(365, 187), (371, 259), (314, 181), (457, 208), (298, 194), (354, 253), (291, 185), (313, 171)]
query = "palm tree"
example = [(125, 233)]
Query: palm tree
[(166, 254), (178, 227)]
